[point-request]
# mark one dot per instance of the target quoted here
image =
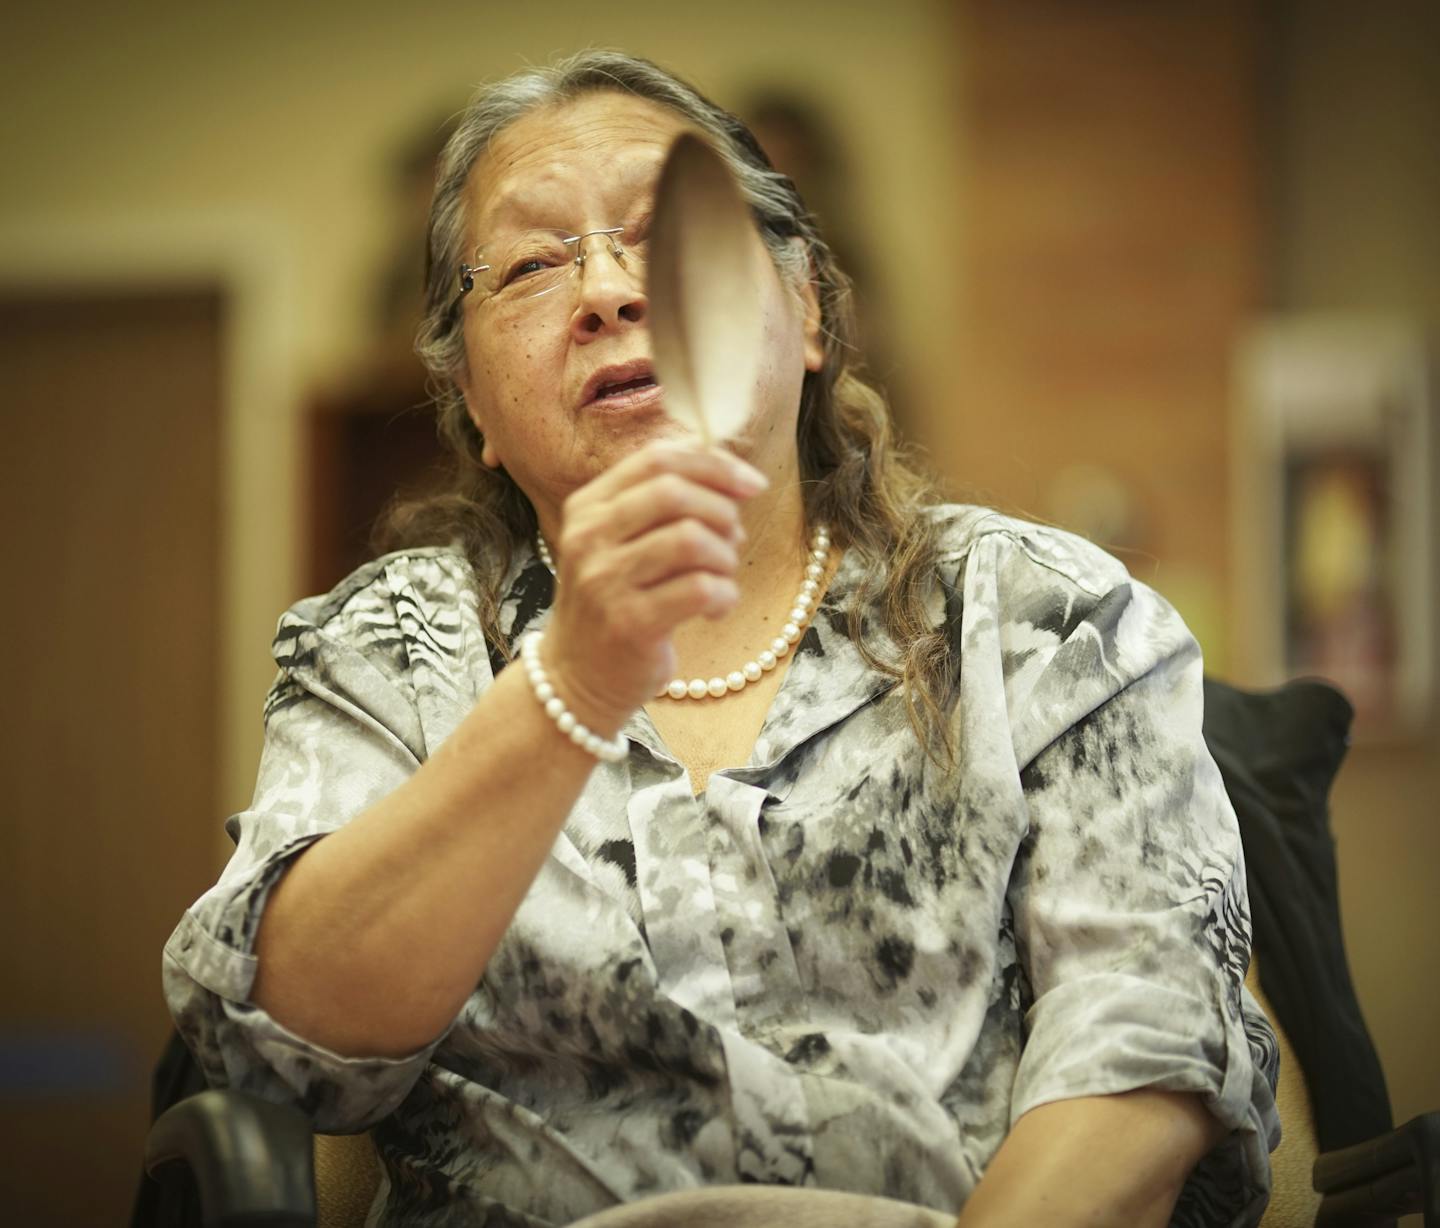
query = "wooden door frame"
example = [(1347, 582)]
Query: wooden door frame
[(260, 525)]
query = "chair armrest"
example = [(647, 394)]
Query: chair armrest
[(252, 1161), (1393, 1174)]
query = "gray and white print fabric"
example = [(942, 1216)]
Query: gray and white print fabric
[(843, 965)]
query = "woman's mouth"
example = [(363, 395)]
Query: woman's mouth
[(625, 394)]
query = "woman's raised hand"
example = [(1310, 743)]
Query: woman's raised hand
[(647, 545)]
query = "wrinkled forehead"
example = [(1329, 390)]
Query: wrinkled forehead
[(570, 165)]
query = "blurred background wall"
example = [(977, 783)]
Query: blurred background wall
[(1065, 219), (1351, 139)]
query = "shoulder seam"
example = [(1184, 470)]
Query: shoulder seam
[(1063, 574), (991, 523)]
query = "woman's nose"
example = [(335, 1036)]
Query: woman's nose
[(611, 293)]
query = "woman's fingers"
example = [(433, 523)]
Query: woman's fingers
[(616, 586), (670, 499), (695, 594), (674, 549), (659, 485), (727, 474)]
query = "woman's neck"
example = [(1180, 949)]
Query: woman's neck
[(772, 566)]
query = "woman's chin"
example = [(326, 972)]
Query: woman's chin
[(620, 430)]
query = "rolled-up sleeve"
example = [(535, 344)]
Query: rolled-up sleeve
[(1128, 891), (339, 735)]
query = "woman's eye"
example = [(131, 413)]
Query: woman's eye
[(533, 256), (526, 268)]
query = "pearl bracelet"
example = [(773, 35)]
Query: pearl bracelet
[(611, 751)]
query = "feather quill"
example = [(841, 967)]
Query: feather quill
[(706, 320)]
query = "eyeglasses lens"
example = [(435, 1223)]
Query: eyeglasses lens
[(539, 261)]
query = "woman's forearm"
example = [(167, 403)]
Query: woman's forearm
[(1100, 1161), (375, 936)]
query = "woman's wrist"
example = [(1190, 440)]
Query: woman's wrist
[(556, 697)]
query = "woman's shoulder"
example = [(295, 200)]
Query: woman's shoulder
[(363, 639), (381, 608), (426, 580), (1024, 551), (1064, 621)]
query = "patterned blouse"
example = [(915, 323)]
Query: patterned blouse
[(842, 965)]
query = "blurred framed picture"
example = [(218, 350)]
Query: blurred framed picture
[(1333, 530)]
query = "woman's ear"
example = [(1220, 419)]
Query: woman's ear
[(814, 338), (488, 455), (810, 301)]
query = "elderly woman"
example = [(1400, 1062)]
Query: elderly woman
[(820, 835)]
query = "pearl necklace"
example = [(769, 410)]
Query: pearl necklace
[(802, 609)]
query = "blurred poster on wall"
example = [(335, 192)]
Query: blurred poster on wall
[(1339, 580), (1334, 529)]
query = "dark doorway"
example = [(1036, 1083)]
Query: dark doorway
[(110, 492)]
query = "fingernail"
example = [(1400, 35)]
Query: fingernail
[(750, 477)]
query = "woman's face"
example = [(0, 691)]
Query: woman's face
[(556, 384)]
